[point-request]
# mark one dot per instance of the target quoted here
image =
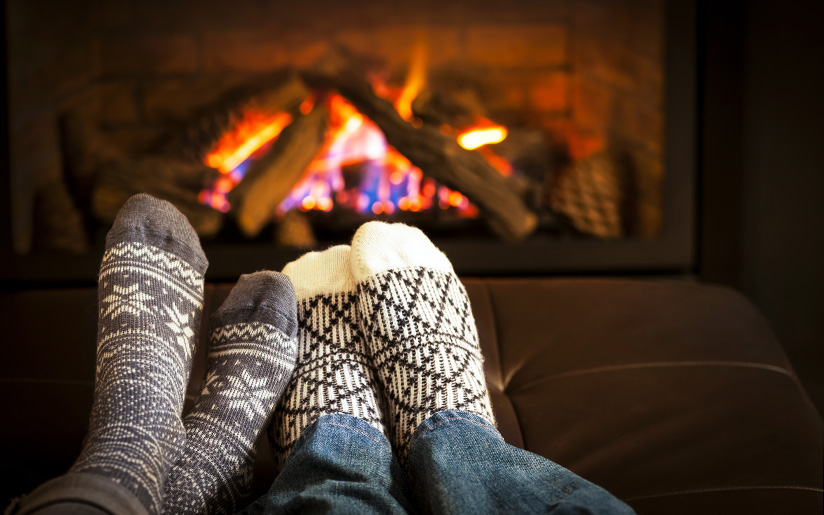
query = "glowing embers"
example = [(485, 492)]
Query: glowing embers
[(359, 171), (477, 137), (355, 169)]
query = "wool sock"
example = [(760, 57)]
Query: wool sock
[(419, 328), (333, 373), (251, 358), (150, 295)]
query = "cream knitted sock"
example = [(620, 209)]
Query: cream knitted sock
[(419, 328), (333, 373)]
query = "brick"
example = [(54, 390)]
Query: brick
[(504, 94), (649, 177), (528, 46), (395, 45), (583, 143), (242, 51), (648, 22), (359, 41), (599, 108), (548, 92), (175, 100), (202, 14), (621, 67), (634, 24), (154, 54), (592, 104), (638, 122)]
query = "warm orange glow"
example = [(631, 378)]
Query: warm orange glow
[(415, 78), (497, 162), (308, 203), (308, 104), (475, 138), (249, 135), (356, 168)]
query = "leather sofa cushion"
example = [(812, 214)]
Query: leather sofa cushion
[(674, 396)]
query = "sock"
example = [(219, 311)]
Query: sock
[(150, 295), (333, 373), (419, 328), (251, 357)]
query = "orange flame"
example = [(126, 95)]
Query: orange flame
[(415, 78), (252, 133)]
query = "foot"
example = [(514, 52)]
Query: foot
[(419, 328), (251, 358), (333, 373), (150, 294)]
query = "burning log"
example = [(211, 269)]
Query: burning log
[(103, 178), (437, 155), (282, 92), (167, 178), (271, 178)]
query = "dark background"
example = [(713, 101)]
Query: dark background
[(762, 167)]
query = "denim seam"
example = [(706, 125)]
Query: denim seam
[(356, 429), (430, 428)]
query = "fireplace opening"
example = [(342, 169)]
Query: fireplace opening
[(531, 138)]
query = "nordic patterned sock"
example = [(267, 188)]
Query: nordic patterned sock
[(333, 373), (150, 295), (419, 328), (251, 357)]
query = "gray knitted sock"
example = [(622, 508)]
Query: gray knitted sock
[(150, 295), (251, 358)]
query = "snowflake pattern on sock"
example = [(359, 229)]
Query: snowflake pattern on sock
[(424, 346), (249, 367), (150, 303)]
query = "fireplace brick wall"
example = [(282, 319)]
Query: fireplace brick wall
[(587, 72)]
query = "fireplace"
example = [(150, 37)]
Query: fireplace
[(582, 114)]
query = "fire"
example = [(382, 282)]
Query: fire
[(475, 138), (356, 168), (415, 79), (252, 133)]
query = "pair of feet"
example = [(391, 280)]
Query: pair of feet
[(381, 330), (385, 334)]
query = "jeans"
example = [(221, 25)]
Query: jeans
[(458, 463)]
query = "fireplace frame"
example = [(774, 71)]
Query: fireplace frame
[(673, 252)]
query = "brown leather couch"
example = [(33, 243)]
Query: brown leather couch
[(674, 396)]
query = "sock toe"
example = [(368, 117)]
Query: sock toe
[(151, 221), (378, 247), (316, 273), (266, 297)]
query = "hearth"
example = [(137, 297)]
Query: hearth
[(544, 137)]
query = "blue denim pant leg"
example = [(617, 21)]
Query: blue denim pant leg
[(340, 464), (459, 463)]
